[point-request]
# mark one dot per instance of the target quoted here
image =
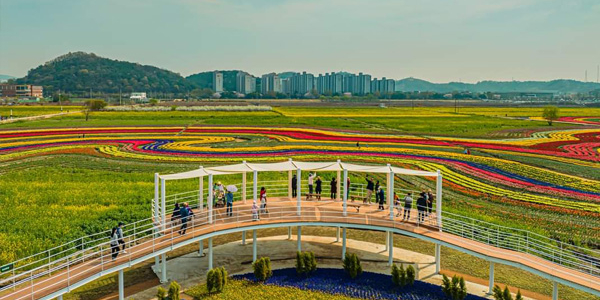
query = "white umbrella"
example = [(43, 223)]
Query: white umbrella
[(232, 188)]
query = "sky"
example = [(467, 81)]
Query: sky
[(435, 40)]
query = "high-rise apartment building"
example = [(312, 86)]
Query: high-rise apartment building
[(245, 83), (301, 84), (217, 82), (270, 83)]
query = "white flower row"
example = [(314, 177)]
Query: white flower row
[(191, 108)]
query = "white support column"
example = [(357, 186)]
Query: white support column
[(339, 183), (244, 237), (254, 246), (390, 248), (244, 184), (438, 257), (163, 206), (387, 240), (210, 198), (163, 273), (156, 186), (59, 297), (255, 186), (343, 243), (345, 195), (438, 199), (337, 235), (299, 190), (299, 238), (289, 232), (391, 195), (554, 290), (200, 247), (210, 254), (121, 286), (290, 175), (156, 263), (201, 193), (491, 279)]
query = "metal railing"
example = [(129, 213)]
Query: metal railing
[(93, 251)]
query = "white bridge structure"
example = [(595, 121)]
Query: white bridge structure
[(59, 270)]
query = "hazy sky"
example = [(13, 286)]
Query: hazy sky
[(437, 40)]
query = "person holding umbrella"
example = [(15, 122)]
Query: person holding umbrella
[(229, 199)]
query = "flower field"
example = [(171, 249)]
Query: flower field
[(536, 181), (335, 282)]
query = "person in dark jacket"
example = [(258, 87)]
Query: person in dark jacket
[(114, 243), (408, 200), (175, 216), (319, 187), (381, 196), (120, 235), (422, 206), (333, 188), (229, 200), (184, 213), (294, 186), (370, 189), (429, 202)]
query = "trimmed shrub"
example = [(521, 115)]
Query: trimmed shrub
[(519, 296), (262, 269), (216, 279), (306, 263), (454, 288), (410, 275), (161, 294), (174, 288), (352, 265)]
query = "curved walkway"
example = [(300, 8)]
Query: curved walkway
[(77, 271)]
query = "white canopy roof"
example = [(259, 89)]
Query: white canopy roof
[(294, 165)]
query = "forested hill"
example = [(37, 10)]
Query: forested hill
[(554, 86), (204, 79), (80, 71)]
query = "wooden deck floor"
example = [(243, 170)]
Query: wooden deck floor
[(283, 210)]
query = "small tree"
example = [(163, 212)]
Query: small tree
[(410, 275), (519, 296), (216, 279), (505, 294), (161, 294), (398, 275), (352, 265), (174, 290), (550, 114), (306, 263), (454, 288), (262, 269), (93, 105), (153, 102)]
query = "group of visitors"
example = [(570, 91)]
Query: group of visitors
[(181, 213), (315, 185), (223, 197), (116, 240), (258, 211), (424, 205)]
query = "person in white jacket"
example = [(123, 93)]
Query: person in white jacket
[(311, 179)]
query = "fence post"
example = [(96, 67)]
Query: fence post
[(102, 256), (49, 267)]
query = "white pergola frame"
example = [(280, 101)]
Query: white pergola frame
[(290, 166)]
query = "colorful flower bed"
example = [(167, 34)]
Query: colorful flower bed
[(367, 286)]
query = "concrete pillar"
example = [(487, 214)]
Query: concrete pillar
[(290, 175), (254, 246), (299, 238), (391, 248), (438, 199), (299, 191), (210, 198), (210, 254), (343, 243), (339, 183), (201, 193), (391, 195), (244, 237), (255, 187), (201, 247), (337, 235), (244, 184), (163, 205), (59, 297), (289, 232), (156, 263), (491, 279), (163, 272), (156, 187), (345, 191), (121, 286), (554, 290), (387, 240), (438, 257)]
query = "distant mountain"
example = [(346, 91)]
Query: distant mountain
[(204, 79), (4, 78), (80, 71), (554, 86)]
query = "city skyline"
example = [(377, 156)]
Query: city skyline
[(439, 41)]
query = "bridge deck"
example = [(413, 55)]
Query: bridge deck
[(281, 210)]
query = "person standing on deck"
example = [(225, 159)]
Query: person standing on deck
[(294, 186), (377, 185), (333, 188), (114, 243), (311, 179), (229, 199), (381, 196), (370, 189), (347, 187), (319, 187), (429, 201), (120, 235), (263, 201), (421, 206), (184, 213), (408, 200)]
